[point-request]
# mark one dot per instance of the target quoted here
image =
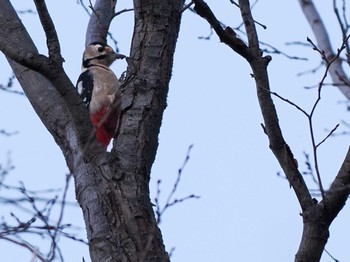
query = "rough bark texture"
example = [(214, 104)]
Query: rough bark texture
[(111, 188), (125, 178)]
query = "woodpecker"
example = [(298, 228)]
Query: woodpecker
[(98, 87)]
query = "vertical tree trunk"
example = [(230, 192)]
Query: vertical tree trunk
[(111, 188), (116, 185)]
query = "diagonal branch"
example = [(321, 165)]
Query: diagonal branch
[(31, 60), (47, 87), (259, 65), (28, 246), (50, 32), (336, 71), (278, 145), (227, 35), (340, 189)]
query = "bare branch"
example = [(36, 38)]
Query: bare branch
[(28, 11), (234, 3), (324, 44), (329, 134), (290, 102), (50, 32), (85, 7), (227, 36), (9, 85), (101, 17), (6, 133), (259, 64), (310, 170), (41, 216), (110, 35), (208, 36), (312, 71), (330, 255), (123, 11), (28, 246), (329, 64), (342, 24), (170, 201), (275, 50), (31, 60), (340, 189), (187, 6)]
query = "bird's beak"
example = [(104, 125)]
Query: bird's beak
[(113, 54), (117, 56)]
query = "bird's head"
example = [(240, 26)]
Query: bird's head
[(99, 53)]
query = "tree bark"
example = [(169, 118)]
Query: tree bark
[(111, 188)]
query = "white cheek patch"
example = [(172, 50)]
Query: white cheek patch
[(80, 87)]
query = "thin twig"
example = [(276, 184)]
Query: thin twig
[(93, 10), (187, 6), (311, 128), (330, 255), (28, 246), (329, 134), (6, 133), (58, 224), (9, 85), (310, 171), (252, 6), (313, 109), (26, 11), (170, 201), (279, 52), (289, 102), (123, 11), (53, 230)]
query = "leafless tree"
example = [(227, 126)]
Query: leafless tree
[(317, 216), (112, 187)]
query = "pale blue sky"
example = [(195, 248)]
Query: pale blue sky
[(246, 212)]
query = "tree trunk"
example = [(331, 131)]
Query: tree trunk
[(111, 188), (315, 235)]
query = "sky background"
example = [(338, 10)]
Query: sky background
[(246, 212)]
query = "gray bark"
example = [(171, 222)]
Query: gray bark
[(336, 71), (111, 188)]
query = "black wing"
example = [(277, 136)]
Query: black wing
[(84, 86)]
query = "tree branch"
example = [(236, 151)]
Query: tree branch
[(100, 19), (339, 191), (277, 144), (228, 35), (50, 32), (28, 246), (48, 88), (336, 71), (259, 65)]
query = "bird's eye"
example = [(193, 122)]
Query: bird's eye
[(100, 49)]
